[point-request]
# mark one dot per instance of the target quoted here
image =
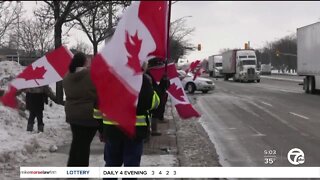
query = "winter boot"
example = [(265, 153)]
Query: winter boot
[(40, 128), (30, 127), (154, 127)]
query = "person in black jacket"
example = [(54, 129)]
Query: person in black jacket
[(35, 99), (161, 88), (121, 149)]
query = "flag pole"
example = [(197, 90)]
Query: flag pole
[(168, 39)]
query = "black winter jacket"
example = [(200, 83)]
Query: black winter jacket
[(144, 104), (36, 97)]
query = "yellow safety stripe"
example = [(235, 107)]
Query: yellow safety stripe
[(155, 101), (97, 114), (140, 121)]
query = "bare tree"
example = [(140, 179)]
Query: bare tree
[(223, 50), (36, 37), (58, 13), (9, 13), (179, 44), (286, 59), (99, 22)]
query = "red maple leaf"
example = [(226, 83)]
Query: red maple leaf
[(193, 65), (133, 49), (176, 92), (33, 74)]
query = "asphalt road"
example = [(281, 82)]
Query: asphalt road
[(257, 124)]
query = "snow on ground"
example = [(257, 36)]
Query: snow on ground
[(8, 70), (275, 71), (18, 145)]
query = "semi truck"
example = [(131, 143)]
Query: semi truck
[(215, 66), (241, 65), (308, 62)]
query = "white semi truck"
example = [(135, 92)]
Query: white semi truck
[(308, 45), (241, 65), (215, 65)]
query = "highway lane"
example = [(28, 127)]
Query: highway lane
[(244, 120)]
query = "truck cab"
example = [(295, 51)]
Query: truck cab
[(246, 66), (217, 66)]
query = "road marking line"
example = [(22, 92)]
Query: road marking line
[(266, 104), (301, 116), (283, 90), (256, 131)]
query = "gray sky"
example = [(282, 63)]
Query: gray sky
[(227, 24)]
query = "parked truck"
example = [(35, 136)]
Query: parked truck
[(215, 65), (308, 48), (241, 65)]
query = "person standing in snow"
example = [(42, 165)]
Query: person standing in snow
[(80, 100), (35, 99)]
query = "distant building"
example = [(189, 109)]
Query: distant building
[(7, 54)]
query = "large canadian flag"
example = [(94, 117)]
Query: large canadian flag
[(175, 91), (116, 70), (48, 69)]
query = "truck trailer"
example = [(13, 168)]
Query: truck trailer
[(241, 65), (215, 65), (265, 69), (308, 49)]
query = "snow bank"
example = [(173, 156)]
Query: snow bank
[(8, 70), (18, 145)]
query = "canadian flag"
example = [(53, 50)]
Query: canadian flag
[(196, 71), (175, 91), (48, 69), (116, 70), (193, 66)]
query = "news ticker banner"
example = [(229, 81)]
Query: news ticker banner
[(169, 172)]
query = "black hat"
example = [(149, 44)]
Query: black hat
[(155, 62)]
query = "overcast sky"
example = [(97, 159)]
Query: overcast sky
[(227, 24), (230, 24)]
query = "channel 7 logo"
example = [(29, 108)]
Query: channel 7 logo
[(296, 156)]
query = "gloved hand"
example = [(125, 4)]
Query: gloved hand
[(165, 82)]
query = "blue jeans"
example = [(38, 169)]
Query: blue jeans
[(126, 152)]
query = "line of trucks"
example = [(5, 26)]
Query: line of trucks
[(238, 64)]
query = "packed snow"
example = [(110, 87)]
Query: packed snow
[(18, 145), (8, 70)]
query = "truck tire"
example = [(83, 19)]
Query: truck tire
[(234, 79), (311, 85), (191, 88), (226, 77), (306, 84)]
